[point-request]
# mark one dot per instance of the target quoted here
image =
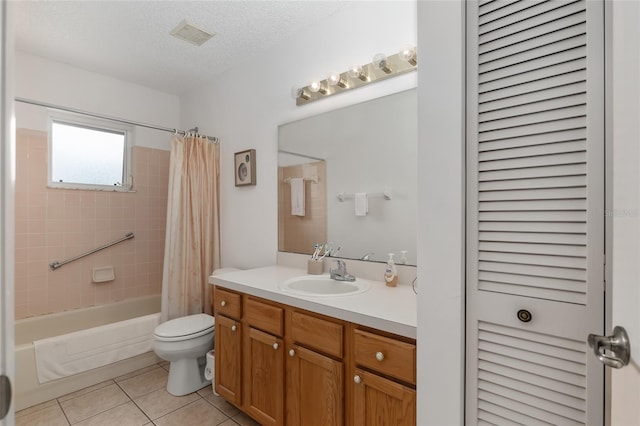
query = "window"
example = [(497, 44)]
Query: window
[(88, 154)]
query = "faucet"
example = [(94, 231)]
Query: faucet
[(340, 272), (368, 256)]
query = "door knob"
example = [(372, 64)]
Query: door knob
[(617, 344)]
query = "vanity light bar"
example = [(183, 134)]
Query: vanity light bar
[(381, 68)]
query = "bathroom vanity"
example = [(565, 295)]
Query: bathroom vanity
[(308, 360)]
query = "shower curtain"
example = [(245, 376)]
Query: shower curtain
[(192, 241)]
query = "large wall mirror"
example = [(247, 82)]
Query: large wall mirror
[(356, 169)]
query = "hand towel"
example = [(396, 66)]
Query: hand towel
[(297, 196), (362, 203)]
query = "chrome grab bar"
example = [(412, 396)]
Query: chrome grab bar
[(55, 265)]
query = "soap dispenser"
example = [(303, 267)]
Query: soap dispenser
[(390, 272)]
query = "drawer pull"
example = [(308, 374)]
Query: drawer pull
[(379, 356), (292, 352), (275, 346), (357, 379), (234, 328), (223, 303)]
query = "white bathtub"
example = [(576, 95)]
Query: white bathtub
[(28, 391)]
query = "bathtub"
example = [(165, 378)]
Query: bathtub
[(28, 391)]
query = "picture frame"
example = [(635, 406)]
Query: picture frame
[(244, 166)]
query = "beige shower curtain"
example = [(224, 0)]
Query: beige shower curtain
[(192, 241)]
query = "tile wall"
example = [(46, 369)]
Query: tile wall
[(55, 224), (297, 234)]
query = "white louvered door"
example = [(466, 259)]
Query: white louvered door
[(535, 211)]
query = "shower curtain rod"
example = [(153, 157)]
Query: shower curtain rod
[(119, 120)]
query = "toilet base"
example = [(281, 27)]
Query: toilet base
[(186, 376)]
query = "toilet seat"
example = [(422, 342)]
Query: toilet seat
[(185, 328)]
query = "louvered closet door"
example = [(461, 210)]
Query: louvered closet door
[(535, 211)]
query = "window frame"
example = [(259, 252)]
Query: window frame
[(98, 125)]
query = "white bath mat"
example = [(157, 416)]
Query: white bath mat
[(73, 353)]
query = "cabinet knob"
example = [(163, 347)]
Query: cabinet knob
[(292, 352), (275, 346), (234, 328), (357, 379), (379, 356), (223, 303)]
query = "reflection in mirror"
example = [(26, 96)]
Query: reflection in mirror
[(349, 177)]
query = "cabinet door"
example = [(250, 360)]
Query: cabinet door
[(381, 402), (315, 389), (228, 344), (264, 377)]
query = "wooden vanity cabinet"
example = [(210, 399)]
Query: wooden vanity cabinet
[(314, 371), (228, 345), (264, 362), (282, 365), (384, 378), (380, 401)]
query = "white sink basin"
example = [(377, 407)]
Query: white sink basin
[(323, 285)]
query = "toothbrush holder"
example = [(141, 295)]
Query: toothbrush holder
[(315, 267)]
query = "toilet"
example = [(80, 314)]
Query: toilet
[(184, 342)]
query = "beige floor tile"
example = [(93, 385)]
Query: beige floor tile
[(219, 402), (123, 415), (92, 403), (165, 365), (85, 390), (197, 413), (35, 408), (145, 383), (47, 414), (243, 420), (136, 373), (228, 422), (160, 402)]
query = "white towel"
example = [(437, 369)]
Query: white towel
[(362, 203), (297, 196)]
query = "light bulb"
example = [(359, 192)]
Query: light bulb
[(337, 80), (409, 54), (317, 86), (381, 61), (358, 72)]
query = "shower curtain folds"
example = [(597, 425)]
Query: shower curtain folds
[(192, 241)]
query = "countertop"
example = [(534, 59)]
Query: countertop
[(391, 309)]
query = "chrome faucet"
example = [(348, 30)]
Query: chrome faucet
[(340, 272), (368, 256)]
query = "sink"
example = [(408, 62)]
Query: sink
[(323, 285)]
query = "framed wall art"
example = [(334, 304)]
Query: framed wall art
[(245, 167)]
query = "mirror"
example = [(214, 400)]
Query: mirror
[(368, 148)]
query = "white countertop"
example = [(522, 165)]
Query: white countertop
[(391, 309)]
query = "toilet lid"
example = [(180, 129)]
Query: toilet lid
[(186, 326)]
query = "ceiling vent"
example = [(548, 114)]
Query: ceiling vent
[(190, 33)]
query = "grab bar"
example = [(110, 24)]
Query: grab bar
[(55, 265)]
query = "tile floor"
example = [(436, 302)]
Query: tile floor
[(136, 399)]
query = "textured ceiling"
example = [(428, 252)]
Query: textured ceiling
[(130, 40)]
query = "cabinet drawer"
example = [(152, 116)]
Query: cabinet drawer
[(228, 303), (264, 317), (388, 356), (317, 333)]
